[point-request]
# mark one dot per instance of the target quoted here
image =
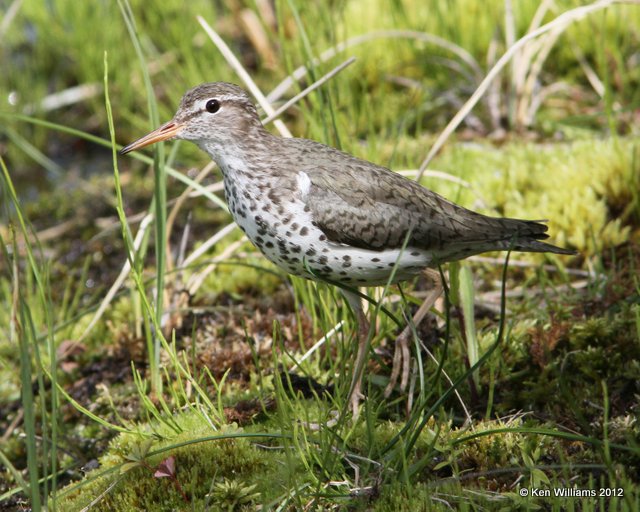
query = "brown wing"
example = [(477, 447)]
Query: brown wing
[(373, 208), (357, 203)]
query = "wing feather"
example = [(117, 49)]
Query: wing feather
[(357, 203)]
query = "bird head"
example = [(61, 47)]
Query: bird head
[(211, 115)]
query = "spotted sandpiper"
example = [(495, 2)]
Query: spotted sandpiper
[(321, 213)]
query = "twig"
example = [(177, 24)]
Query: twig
[(528, 264), (521, 291)]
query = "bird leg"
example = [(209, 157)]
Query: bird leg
[(401, 354), (355, 390)]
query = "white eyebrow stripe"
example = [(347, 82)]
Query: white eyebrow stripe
[(201, 104), (223, 97)]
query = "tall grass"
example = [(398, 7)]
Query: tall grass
[(31, 324)]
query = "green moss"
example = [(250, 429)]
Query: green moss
[(499, 450), (226, 474), (577, 186), (560, 366), (396, 497)]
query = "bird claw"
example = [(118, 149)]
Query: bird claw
[(401, 354), (354, 400), (401, 364)]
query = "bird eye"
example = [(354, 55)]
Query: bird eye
[(212, 106)]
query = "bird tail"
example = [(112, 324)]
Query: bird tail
[(525, 236), (538, 246), (489, 234)]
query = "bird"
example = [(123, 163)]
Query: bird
[(324, 214)]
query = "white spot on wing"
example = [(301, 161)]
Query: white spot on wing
[(304, 184)]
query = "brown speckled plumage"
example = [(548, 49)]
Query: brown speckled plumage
[(321, 213), (350, 207)]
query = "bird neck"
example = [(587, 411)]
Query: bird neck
[(239, 151)]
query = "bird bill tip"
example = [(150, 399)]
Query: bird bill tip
[(165, 132)]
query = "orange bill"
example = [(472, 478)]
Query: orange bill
[(165, 132)]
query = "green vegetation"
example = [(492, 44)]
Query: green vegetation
[(218, 397)]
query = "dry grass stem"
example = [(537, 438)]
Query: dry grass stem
[(196, 280), (255, 32), (281, 89), (124, 272), (308, 90), (177, 205), (243, 74), (210, 243), (334, 330), (561, 22)]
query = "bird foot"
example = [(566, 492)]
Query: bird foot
[(401, 355), (318, 426), (355, 394), (355, 398), (401, 363)]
